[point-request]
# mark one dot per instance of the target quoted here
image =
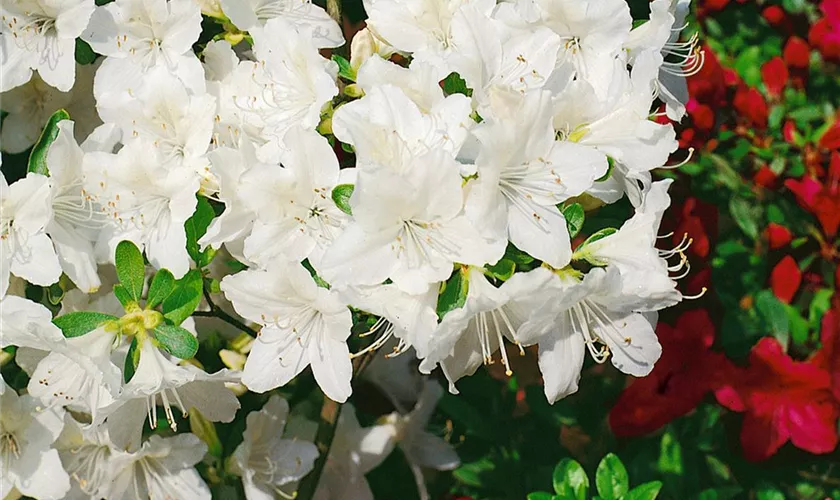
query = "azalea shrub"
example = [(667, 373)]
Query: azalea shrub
[(389, 249)]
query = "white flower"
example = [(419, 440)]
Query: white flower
[(302, 14), (41, 36), (355, 451), (161, 469), (296, 215), (157, 380), (24, 323), (293, 80), (471, 335), (25, 249), (303, 325), (31, 104), (88, 457), (422, 448), (523, 173), (264, 460), (364, 45), (590, 314), (410, 228), (27, 460), (139, 35), (145, 202), (76, 219), (180, 125)]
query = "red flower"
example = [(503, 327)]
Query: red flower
[(778, 235), (782, 400), (751, 105), (777, 18), (821, 198), (785, 279), (708, 86), (825, 33), (678, 382), (797, 53), (831, 137), (765, 177), (828, 356), (790, 133), (774, 73), (699, 221)]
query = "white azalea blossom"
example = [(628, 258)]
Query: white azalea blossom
[(41, 36), (303, 325), (266, 461), (302, 14)]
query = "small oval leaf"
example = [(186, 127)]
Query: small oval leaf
[(162, 285), (574, 216), (176, 341), (76, 324), (341, 196), (570, 480), (131, 269), (611, 478), (38, 156), (183, 300)]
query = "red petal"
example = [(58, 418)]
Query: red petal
[(813, 427), (778, 235), (797, 53), (785, 279), (762, 434), (774, 73)]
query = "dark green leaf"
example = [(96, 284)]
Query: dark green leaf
[(775, 316), (195, 227), (611, 478), (162, 285), (454, 293), (462, 412), (503, 269), (341, 196), (84, 54), (746, 215), (603, 233), (454, 84), (473, 473), (76, 324), (517, 256), (541, 495), (647, 491), (131, 270), (176, 341), (570, 480), (183, 300), (574, 215), (38, 156), (122, 295), (132, 359), (344, 69)]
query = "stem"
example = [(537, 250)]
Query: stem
[(216, 312), (327, 425)]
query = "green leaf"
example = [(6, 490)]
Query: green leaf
[(670, 455), (722, 493), (575, 216), (454, 84), (205, 431), (519, 257), (611, 478), (570, 480), (502, 270), (183, 300), (603, 233), (176, 341), (132, 359), (463, 413), (775, 316), (122, 295), (76, 324), (131, 270), (341, 196), (473, 473), (84, 54), (162, 285), (345, 70), (195, 227), (768, 492), (454, 293), (646, 491), (38, 156), (541, 495), (746, 215)]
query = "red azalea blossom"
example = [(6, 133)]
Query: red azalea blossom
[(790, 133), (831, 138), (678, 382), (785, 279), (797, 53), (708, 86), (765, 177), (699, 221), (777, 18), (821, 199), (774, 73), (782, 400), (825, 33), (829, 354), (751, 105), (778, 235)]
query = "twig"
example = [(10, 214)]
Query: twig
[(216, 312), (824, 479)]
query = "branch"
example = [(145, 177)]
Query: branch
[(216, 312)]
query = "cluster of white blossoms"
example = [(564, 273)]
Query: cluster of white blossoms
[(420, 199)]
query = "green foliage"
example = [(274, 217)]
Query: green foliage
[(185, 297), (38, 156), (131, 271), (575, 216), (344, 69), (196, 226), (611, 478), (162, 285), (341, 196), (571, 482), (454, 292), (78, 323), (132, 359), (176, 341)]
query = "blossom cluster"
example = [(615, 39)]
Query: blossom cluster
[(427, 191)]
